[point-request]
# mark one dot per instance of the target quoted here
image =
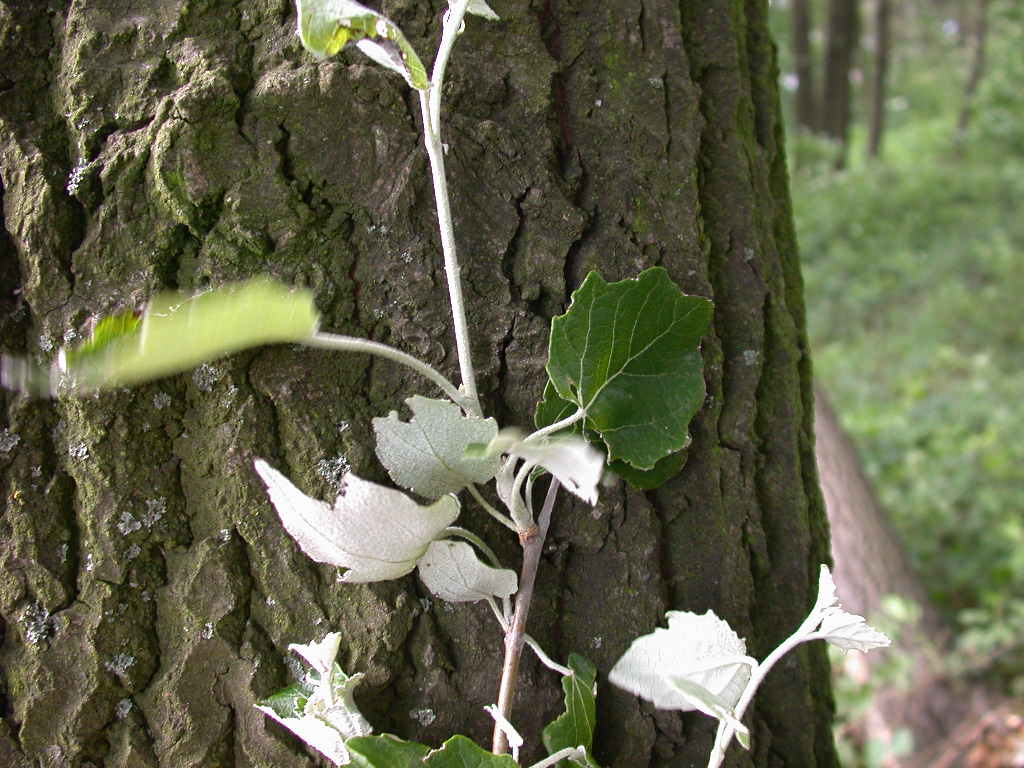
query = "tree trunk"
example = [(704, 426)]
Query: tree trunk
[(806, 94), (977, 72), (879, 77), (841, 47), (148, 591)]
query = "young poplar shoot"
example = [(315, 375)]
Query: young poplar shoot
[(625, 378)]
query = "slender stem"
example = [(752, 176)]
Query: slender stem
[(472, 538), (503, 519), (501, 617), (533, 544), (546, 660), (352, 344), (430, 108), (450, 30), (725, 732), (542, 657), (560, 755), (558, 426)]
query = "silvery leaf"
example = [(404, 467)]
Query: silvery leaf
[(452, 571), (329, 716), (570, 458), (481, 8), (850, 631), (705, 701), (322, 737), (700, 649), (332, 702), (427, 454), (376, 532), (319, 655)]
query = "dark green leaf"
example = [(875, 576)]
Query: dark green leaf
[(646, 479), (385, 751), (629, 353), (575, 727), (460, 752), (288, 702), (552, 409)]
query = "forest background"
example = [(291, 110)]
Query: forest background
[(908, 214)]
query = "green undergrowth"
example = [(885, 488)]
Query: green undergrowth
[(914, 286)]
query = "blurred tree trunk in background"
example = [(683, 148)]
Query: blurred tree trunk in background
[(871, 563), (979, 39), (842, 44), (806, 92), (148, 592), (879, 76)]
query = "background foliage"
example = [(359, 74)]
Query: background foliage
[(913, 265)]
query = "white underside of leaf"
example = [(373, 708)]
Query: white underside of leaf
[(577, 464), (376, 532), (452, 571), (481, 8), (326, 740), (319, 655), (427, 454), (701, 649)]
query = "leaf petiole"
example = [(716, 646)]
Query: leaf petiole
[(472, 538), (558, 426), (341, 343), (489, 509)]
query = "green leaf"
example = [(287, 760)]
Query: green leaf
[(325, 26), (106, 332), (176, 333), (288, 702), (646, 479), (428, 454), (575, 727), (552, 409), (629, 354), (460, 752), (385, 751)]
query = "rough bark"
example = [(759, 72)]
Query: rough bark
[(148, 591), (806, 93), (842, 43), (879, 77)]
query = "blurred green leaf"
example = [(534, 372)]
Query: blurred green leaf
[(175, 333)]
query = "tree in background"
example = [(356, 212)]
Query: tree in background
[(147, 589), (979, 40), (879, 76), (803, 59), (842, 45)]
